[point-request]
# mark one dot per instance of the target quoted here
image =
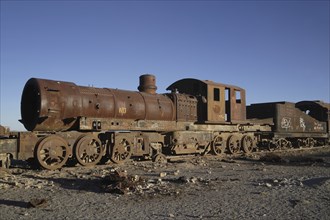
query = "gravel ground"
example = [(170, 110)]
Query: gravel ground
[(294, 185)]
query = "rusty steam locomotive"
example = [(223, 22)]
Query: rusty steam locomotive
[(66, 122)]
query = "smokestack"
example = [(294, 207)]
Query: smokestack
[(148, 84)]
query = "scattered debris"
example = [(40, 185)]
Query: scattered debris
[(268, 185), (281, 183), (193, 179), (24, 181), (198, 161), (37, 203), (119, 182), (4, 172)]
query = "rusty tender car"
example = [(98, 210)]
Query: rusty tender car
[(87, 125)]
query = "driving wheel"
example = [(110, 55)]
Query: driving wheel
[(234, 144), (52, 152), (218, 145), (88, 150), (121, 151)]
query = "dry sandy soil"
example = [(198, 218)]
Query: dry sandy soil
[(293, 185)]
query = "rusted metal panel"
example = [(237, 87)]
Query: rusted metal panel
[(262, 112), (186, 106), (196, 88), (298, 135), (140, 143), (96, 102), (8, 145), (187, 142), (19, 144), (237, 104), (216, 104), (291, 119), (316, 109), (123, 145), (128, 105), (26, 144), (158, 107), (86, 123)]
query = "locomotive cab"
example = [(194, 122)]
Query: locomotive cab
[(216, 103)]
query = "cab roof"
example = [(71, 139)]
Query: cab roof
[(188, 82)]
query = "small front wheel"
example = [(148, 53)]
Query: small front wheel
[(159, 158)]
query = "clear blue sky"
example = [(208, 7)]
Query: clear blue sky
[(276, 50)]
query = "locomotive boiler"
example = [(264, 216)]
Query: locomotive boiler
[(49, 105)]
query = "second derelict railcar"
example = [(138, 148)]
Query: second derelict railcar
[(293, 124)]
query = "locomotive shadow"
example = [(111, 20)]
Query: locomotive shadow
[(80, 184), (21, 164), (317, 159), (20, 204)]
